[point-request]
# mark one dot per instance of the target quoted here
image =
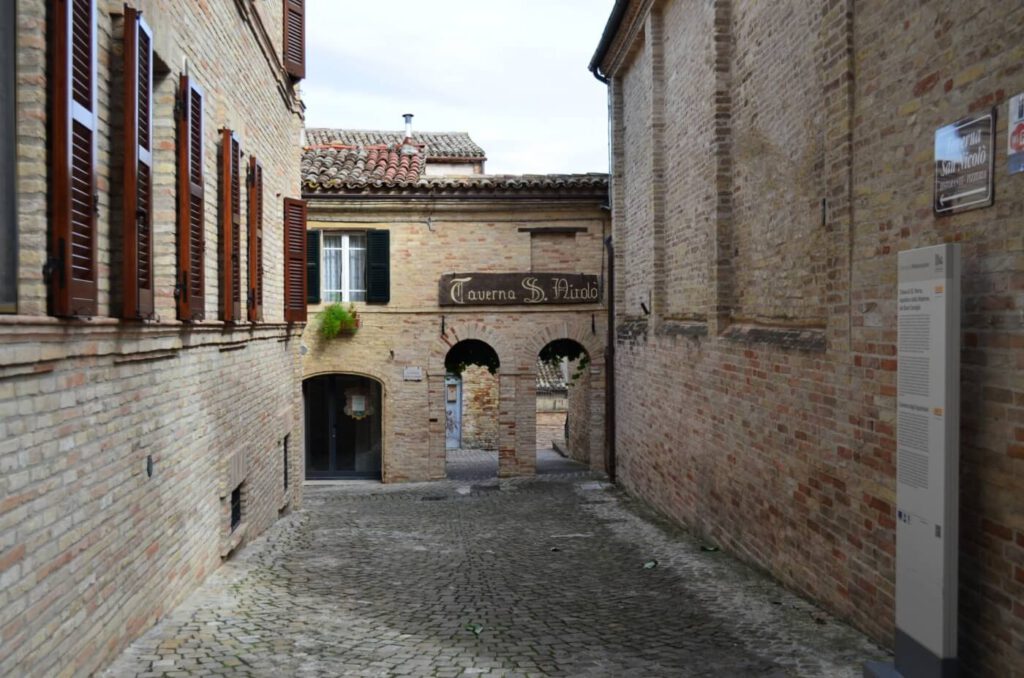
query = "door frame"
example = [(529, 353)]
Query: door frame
[(333, 396)]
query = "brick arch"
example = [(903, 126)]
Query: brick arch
[(577, 331), (385, 411), (458, 330), (379, 377)]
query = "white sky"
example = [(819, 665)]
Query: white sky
[(512, 74)]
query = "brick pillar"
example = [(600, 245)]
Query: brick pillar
[(526, 424), (436, 443), (517, 421), (596, 423)]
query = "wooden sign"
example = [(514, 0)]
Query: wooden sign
[(509, 289)]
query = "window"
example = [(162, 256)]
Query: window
[(295, 38), (190, 289), (255, 210), (294, 260), (230, 226), (8, 162), (71, 269), (136, 211), (344, 267), (236, 508), (284, 447)]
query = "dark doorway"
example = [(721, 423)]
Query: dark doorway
[(343, 427)]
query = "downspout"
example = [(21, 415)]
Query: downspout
[(610, 29), (609, 368)]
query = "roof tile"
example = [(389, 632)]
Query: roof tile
[(442, 146)]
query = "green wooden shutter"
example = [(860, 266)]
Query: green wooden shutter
[(378, 267), (313, 267)]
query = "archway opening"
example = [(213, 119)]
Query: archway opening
[(343, 426), (471, 410), (563, 407)]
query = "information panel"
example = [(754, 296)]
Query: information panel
[(927, 436)]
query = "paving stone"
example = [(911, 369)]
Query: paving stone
[(370, 580)]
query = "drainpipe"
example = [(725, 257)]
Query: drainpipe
[(609, 368), (610, 29)]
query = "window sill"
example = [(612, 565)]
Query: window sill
[(233, 540)]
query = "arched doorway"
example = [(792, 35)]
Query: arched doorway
[(343, 426), (565, 422), (471, 410)]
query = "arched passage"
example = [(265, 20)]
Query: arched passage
[(344, 415), (569, 413), (471, 396)]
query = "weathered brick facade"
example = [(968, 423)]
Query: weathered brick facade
[(436, 230), (480, 409), (94, 548), (769, 161)]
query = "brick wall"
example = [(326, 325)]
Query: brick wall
[(93, 550), (761, 412), (454, 235), (580, 425), (479, 409)]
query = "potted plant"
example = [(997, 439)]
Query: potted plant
[(336, 320)]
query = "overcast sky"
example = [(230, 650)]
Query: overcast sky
[(512, 74)]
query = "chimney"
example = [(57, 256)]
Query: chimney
[(408, 125)]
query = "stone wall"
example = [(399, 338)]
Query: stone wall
[(412, 330), (797, 147), (94, 548)]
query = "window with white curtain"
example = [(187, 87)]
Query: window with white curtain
[(344, 267)]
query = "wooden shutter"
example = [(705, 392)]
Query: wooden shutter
[(313, 267), (294, 260), (191, 288), (230, 227), (378, 267), (72, 267), (255, 213), (295, 38), (136, 213)]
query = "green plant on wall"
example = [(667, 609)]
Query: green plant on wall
[(335, 319), (567, 349), (471, 352)]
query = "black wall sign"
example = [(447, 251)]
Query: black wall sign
[(507, 289), (964, 164)]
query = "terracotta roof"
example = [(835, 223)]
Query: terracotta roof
[(330, 167), (397, 170), (440, 146), (550, 378)]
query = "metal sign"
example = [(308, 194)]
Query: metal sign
[(508, 289), (927, 460), (1015, 135), (964, 164)]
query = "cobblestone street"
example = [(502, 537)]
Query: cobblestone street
[(558, 575)]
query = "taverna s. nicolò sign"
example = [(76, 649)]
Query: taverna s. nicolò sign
[(508, 289)]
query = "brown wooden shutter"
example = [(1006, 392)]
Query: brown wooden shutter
[(191, 288), (255, 213), (294, 260), (295, 38), (230, 227), (137, 214), (72, 249)]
